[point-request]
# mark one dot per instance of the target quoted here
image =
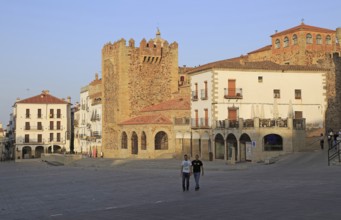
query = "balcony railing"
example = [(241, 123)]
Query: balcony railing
[(34, 141), (299, 124), (233, 93), (203, 94), (33, 128), (194, 96), (199, 123), (227, 124), (56, 128)]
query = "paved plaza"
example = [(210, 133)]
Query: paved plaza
[(298, 186)]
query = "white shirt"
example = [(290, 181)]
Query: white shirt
[(186, 165)]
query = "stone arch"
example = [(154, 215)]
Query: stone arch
[(161, 141), (134, 143), (143, 141), (39, 151), (272, 142), (26, 152), (219, 146), (56, 149), (232, 143), (244, 138), (124, 140)]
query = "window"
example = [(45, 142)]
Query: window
[(196, 118), (58, 137), (195, 92), (309, 39), (58, 125), (40, 138), (204, 91), (286, 42), (51, 136), (328, 39), (27, 138), (27, 125), (27, 113), (51, 125), (39, 113), (206, 117), (124, 141), (277, 44), (59, 113), (277, 94), (143, 141), (39, 126), (51, 113), (260, 79), (273, 142), (298, 94), (298, 114), (294, 39), (318, 39), (161, 141)]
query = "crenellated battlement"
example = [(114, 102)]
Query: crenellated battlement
[(149, 52)]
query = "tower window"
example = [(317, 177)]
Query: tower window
[(309, 39), (318, 39), (277, 44), (286, 42), (328, 39), (294, 39)]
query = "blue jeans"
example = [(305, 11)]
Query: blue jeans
[(196, 178), (185, 181)]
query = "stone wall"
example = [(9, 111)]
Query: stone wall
[(133, 78)]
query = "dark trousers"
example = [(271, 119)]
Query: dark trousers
[(185, 181)]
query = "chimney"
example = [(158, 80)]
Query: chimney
[(46, 92), (68, 99)]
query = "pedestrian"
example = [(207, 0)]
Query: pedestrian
[(330, 138), (322, 141), (198, 168), (185, 172)]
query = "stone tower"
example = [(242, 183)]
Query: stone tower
[(133, 78)]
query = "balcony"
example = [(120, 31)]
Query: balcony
[(200, 123), (227, 124), (203, 94), (233, 93), (194, 96), (33, 128), (34, 141), (56, 128)]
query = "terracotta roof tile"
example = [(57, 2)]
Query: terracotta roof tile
[(304, 27), (173, 104), (43, 98), (148, 119), (261, 65)]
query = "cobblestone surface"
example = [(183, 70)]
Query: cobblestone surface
[(299, 186)]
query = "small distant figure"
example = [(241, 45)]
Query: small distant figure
[(330, 138), (101, 154), (322, 141), (198, 168), (185, 172)]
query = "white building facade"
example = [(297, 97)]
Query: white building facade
[(89, 130), (42, 125), (239, 104)]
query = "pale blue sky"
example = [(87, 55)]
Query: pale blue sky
[(56, 44)]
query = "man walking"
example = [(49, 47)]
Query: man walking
[(198, 168), (185, 172)]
